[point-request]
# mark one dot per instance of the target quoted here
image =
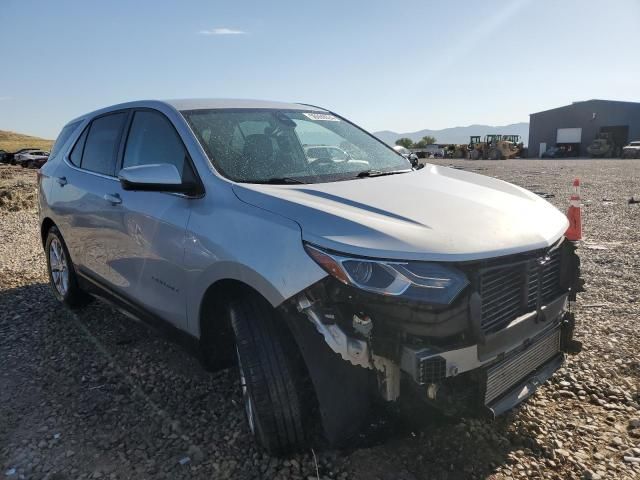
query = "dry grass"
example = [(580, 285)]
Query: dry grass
[(11, 141), (17, 189)]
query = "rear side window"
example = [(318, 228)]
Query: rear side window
[(102, 142), (63, 137), (152, 139)]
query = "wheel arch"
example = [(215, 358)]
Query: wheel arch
[(222, 292), (45, 226), (214, 327)]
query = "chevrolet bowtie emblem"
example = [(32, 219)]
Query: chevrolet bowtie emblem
[(542, 260)]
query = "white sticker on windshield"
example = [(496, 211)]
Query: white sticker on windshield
[(321, 116)]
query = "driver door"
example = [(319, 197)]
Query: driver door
[(148, 265)]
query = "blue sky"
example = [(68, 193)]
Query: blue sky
[(402, 65)]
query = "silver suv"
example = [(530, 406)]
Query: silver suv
[(332, 282)]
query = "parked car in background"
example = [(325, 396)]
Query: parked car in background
[(632, 150), (31, 158), (554, 152), (326, 152), (330, 284), (12, 156), (408, 154), (434, 150)]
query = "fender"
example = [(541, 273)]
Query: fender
[(254, 246)]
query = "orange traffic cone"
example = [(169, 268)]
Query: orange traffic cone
[(574, 232)]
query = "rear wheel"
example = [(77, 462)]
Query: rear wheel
[(62, 274), (270, 374)]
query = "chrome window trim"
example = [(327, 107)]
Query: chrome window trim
[(84, 170), (115, 179)]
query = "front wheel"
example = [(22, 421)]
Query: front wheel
[(494, 154), (271, 377), (62, 274)]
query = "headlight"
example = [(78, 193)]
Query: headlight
[(420, 281)]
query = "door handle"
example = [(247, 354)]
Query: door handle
[(62, 181), (113, 199)]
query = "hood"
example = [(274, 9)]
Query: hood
[(435, 213)]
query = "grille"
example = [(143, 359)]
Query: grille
[(511, 290), (432, 370), (504, 375), (550, 280)]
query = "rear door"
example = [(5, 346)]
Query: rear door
[(149, 259), (84, 196)]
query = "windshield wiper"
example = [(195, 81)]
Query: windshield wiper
[(277, 181), (378, 173)]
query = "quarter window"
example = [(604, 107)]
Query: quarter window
[(76, 153), (102, 142), (63, 137), (152, 140)]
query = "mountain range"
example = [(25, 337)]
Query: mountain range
[(11, 141), (458, 134)]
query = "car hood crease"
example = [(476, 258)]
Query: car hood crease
[(435, 213)]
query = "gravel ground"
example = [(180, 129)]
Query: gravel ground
[(94, 394)]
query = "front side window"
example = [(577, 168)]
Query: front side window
[(264, 145), (152, 139), (101, 146)]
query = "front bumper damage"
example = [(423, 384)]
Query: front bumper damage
[(461, 356)]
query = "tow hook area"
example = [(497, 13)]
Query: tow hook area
[(356, 351), (568, 343)]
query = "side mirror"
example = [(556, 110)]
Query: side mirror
[(159, 177), (413, 158)]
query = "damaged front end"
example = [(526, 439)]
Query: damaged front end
[(465, 336)]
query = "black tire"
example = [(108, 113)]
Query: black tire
[(271, 365), (73, 297), (494, 154)]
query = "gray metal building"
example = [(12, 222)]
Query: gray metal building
[(575, 126)]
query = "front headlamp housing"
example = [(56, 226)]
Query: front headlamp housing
[(418, 281)]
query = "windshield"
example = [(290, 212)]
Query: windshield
[(258, 146)]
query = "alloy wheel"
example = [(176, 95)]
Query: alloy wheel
[(59, 267), (246, 396)]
